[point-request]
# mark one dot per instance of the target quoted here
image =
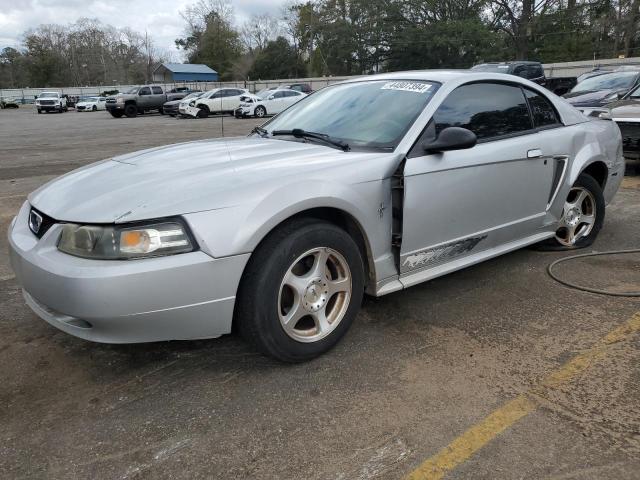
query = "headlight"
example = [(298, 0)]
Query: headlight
[(120, 242), (119, 100), (192, 104)]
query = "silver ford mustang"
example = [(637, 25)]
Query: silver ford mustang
[(371, 185)]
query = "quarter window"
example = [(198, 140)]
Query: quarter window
[(544, 114), (157, 90), (487, 109)]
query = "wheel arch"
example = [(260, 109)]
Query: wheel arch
[(340, 218), (598, 170)]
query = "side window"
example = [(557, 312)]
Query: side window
[(544, 114), (157, 90), (216, 95), (487, 109), (145, 91), (280, 94)]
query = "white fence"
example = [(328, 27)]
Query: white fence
[(29, 94), (563, 69)]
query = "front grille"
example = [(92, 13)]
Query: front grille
[(81, 108), (630, 135), (39, 223), (47, 102), (111, 100)]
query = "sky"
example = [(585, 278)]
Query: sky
[(160, 18)]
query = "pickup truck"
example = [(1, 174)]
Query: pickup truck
[(140, 99), (51, 102)]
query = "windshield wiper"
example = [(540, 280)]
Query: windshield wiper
[(323, 137), (260, 131)]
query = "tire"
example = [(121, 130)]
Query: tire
[(161, 111), (260, 111), (203, 112), (576, 218), (39, 111), (131, 110), (94, 109), (116, 113), (265, 298)]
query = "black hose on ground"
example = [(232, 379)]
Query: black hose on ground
[(589, 289)]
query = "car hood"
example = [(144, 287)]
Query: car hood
[(628, 108), (85, 104), (588, 98), (198, 176)]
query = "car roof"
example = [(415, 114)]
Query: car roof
[(440, 76)]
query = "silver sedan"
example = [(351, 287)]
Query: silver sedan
[(371, 185)]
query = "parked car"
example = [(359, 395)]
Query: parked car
[(626, 113), (91, 104), (8, 103), (593, 73), (171, 107), (138, 100), (300, 87), (374, 184), (600, 90), (530, 70), (274, 103), (218, 100), (51, 102)]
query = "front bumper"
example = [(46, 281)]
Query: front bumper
[(177, 297)]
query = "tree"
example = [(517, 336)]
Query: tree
[(211, 38), (278, 59)]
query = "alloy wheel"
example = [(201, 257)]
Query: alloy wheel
[(578, 216), (314, 294)]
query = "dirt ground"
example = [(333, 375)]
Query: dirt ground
[(418, 368)]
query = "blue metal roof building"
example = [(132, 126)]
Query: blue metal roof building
[(184, 72)]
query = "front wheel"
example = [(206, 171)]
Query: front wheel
[(260, 111), (301, 291), (131, 111), (203, 111), (582, 215)]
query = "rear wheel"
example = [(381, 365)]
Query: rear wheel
[(260, 111), (130, 110), (301, 291), (582, 216)]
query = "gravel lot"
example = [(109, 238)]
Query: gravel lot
[(418, 368)]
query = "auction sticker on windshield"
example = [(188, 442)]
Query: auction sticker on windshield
[(416, 87)]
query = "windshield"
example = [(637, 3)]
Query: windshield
[(133, 90), (89, 99), (367, 114), (192, 95), (491, 67), (48, 95), (608, 81)]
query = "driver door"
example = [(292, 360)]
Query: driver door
[(464, 201)]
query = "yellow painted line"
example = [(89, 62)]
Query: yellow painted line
[(467, 444)]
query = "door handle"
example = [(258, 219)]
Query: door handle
[(534, 153)]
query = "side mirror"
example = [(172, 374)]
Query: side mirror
[(451, 138), (271, 97)]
